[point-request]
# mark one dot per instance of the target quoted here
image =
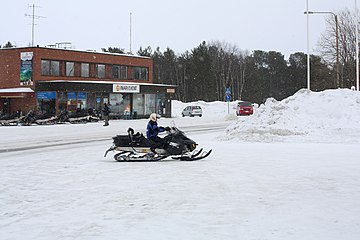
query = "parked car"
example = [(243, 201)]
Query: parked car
[(244, 108), (192, 111)]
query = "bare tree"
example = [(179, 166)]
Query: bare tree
[(347, 47)]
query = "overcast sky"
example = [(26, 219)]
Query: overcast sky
[(278, 25)]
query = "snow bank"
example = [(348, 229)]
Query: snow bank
[(305, 113), (215, 110)]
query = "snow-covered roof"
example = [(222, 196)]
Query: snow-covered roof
[(85, 51), (16, 90)]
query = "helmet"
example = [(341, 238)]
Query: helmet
[(153, 117)]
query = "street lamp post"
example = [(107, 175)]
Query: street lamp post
[(308, 44), (357, 45), (337, 43)]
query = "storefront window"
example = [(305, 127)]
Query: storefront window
[(160, 104), (138, 104), (98, 106), (150, 104), (91, 100), (46, 102), (120, 104), (81, 101), (84, 70), (71, 102), (62, 100)]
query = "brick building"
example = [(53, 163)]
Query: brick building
[(52, 79)]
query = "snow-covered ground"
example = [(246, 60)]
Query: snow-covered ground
[(290, 171)]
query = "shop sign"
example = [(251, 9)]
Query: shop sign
[(26, 68), (46, 95), (126, 88), (170, 90)]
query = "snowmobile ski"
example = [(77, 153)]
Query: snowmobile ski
[(194, 157)]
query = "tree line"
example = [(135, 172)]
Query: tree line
[(204, 72), (207, 70)]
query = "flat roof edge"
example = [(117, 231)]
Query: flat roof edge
[(77, 50), (101, 82)]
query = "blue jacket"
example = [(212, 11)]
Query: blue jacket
[(106, 110), (152, 129)]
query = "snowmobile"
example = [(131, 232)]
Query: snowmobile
[(11, 120), (39, 119), (81, 117), (136, 147), (63, 116)]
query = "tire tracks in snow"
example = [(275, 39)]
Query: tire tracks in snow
[(187, 129)]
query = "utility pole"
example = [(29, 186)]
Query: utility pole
[(33, 16), (130, 31)]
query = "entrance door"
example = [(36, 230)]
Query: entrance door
[(100, 99), (6, 104), (47, 106)]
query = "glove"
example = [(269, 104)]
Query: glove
[(167, 129)]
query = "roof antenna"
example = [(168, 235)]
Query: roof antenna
[(33, 22)]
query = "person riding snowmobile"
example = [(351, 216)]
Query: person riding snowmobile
[(152, 131)]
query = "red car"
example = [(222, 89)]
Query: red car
[(244, 108)]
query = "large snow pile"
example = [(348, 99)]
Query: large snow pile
[(325, 115)]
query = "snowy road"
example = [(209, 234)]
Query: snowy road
[(287, 172), (34, 137), (242, 191)]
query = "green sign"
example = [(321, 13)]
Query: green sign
[(26, 69)]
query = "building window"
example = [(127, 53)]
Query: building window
[(71, 101), (115, 73), (123, 72), (119, 72), (70, 69), (120, 104), (84, 70), (139, 104), (140, 73), (81, 100), (150, 104), (50, 68), (100, 70), (62, 100)]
